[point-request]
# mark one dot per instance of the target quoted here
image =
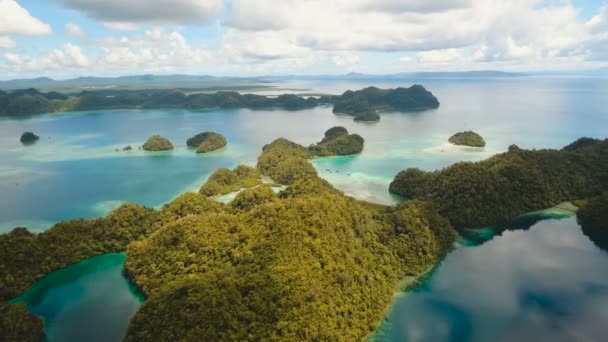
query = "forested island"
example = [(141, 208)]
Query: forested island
[(307, 263), (28, 138), (207, 142), (496, 190), (337, 142), (363, 104), (157, 143), (467, 138)]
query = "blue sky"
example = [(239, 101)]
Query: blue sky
[(67, 38)]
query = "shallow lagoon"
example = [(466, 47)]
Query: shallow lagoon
[(87, 301), (74, 171)]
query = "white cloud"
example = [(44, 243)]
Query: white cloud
[(599, 23), (143, 11), (346, 59), (419, 6), (16, 20), (439, 57), (155, 50), (74, 30), (121, 26), (68, 57), (7, 43), (439, 32)]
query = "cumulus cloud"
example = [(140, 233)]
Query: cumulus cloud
[(16, 20), (68, 57), (143, 11), (436, 32), (121, 26), (74, 30), (7, 43), (439, 57), (419, 6)]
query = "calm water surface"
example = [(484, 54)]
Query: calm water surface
[(87, 301), (548, 282)]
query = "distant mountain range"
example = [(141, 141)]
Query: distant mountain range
[(207, 82), (196, 81)]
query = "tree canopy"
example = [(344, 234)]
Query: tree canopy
[(510, 184)]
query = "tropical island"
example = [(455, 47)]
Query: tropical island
[(467, 138), (499, 189), (157, 143), (207, 142), (337, 142), (28, 138), (306, 263), (364, 104)]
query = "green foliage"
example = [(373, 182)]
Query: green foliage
[(337, 142), (29, 138), (412, 183), (157, 143), (511, 184), (27, 105), (467, 138), (207, 142), (334, 132), (285, 162), (593, 217), (364, 104), (26, 257), (18, 325), (251, 198), (224, 181), (311, 264), (186, 204)]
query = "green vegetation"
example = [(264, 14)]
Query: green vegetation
[(26, 257), (337, 142), (224, 181), (593, 217), (207, 142), (157, 143), (494, 191), (307, 264), (18, 325), (285, 162), (467, 138), (27, 102), (364, 104), (28, 138)]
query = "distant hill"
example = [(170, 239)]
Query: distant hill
[(212, 83), (135, 82)]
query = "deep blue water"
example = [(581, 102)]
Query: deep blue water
[(539, 284)]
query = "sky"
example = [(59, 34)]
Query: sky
[(71, 38)]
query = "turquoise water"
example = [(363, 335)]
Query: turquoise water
[(530, 279), (548, 283), (74, 171), (87, 301)]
